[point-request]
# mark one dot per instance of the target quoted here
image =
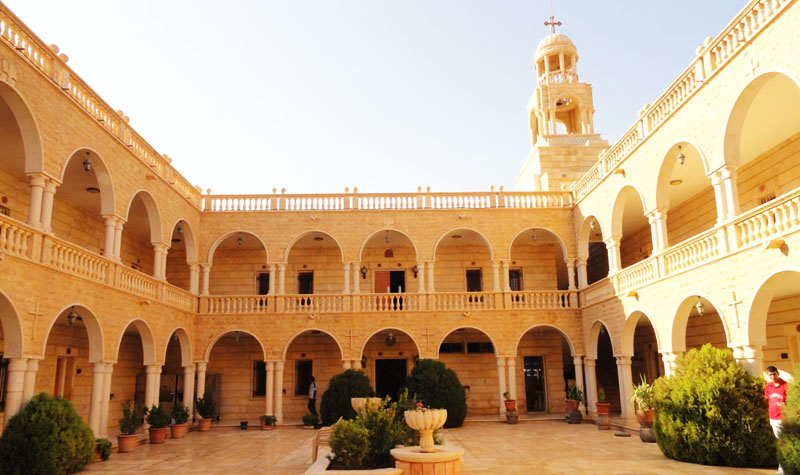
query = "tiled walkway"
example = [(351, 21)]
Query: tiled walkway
[(491, 448)]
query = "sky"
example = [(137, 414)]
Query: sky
[(318, 95)]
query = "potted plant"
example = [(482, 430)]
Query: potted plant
[(310, 421), (268, 421), (102, 450), (180, 421), (206, 408), (128, 425), (158, 419), (574, 397), (602, 405), (642, 397), (511, 404)]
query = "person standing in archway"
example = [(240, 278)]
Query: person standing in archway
[(312, 396), (775, 392)]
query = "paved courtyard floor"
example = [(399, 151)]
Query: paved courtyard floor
[(535, 447)]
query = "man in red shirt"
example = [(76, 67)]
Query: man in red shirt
[(775, 392)]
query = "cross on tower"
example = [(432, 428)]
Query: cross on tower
[(552, 23)]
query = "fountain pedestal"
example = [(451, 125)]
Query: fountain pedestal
[(445, 459)]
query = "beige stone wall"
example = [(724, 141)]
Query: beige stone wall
[(326, 362), (476, 370), (692, 217), (234, 362), (130, 364), (451, 265), (636, 246), (775, 172), (325, 263), (782, 350), (15, 193), (705, 329), (544, 342), (234, 271)]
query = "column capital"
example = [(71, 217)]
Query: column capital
[(201, 365), (570, 261), (279, 365), (727, 173), (623, 360), (17, 364), (37, 179), (51, 184), (194, 266), (281, 265), (589, 361), (581, 261), (501, 361), (205, 266), (611, 241), (154, 368)]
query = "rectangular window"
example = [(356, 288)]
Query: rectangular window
[(474, 280), (451, 348), (515, 279), (259, 378), (305, 282), (302, 377), (263, 283), (480, 347)]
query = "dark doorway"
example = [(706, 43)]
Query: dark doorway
[(534, 384), (474, 280), (397, 281), (390, 376)]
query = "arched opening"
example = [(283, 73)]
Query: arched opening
[(311, 353), (544, 368), (697, 322), (684, 192), (141, 233), (236, 377), (606, 375), (10, 346), (537, 261), (173, 382), (471, 354), (182, 254), (387, 358), (314, 266), (136, 350), (390, 258), (761, 139), (239, 265), (463, 262), (774, 323), (593, 249), (630, 228), (640, 340)]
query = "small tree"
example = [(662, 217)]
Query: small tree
[(438, 387), (47, 436), (180, 413), (157, 417), (789, 441), (712, 412), (336, 399), (206, 406), (130, 421)]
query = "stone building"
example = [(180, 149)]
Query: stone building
[(119, 280)]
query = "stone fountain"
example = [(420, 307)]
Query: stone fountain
[(426, 457)]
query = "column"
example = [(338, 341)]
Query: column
[(658, 229), (570, 273), (281, 278), (14, 386), (501, 383), (421, 277), (591, 384), (200, 389), (194, 277), (279, 391), (751, 358), (270, 387), (96, 401), (511, 363), (719, 197), (506, 282), (612, 245), (356, 289), (346, 272), (496, 275), (575, 66), (577, 360), (346, 364), (118, 239), (272, 270), (625, 385), (152, 387), (669, 359), (731, 192), (583, 279), (188, 387), (108, 246), (206, 268), (47, 205), (431, 288), (30, 380), (35, 204), (158, 260), (106, 400)]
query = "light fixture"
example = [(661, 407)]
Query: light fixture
[(72, 316), (681, 157), (180, 229), (456, 236), (318, 238), (676, 182), (363, 361), (92, 189), (390, 339), (415, 270), (87, 165), (534, 235), (386, 238), (239, 239), (592, 225), (363, 272), (699, 306), (174, 337), (236, 337), (176, 240)]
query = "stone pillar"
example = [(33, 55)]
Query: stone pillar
[(194, 278), (658, 229), (669, 362), (570, 273), (511, 363), (206, 268), (188, 387), (431, 288), (106, 400), (501, 383), (506, 280), (356, 278), (96, 401), (577, 360), (583, 279), (270, 388), (346, 364), (35, 203), (108, 246), (14, 387), (118, 240), (201, 379), (751, 358), (152, 387), (731, 191), (591, 384), (47, 205), (421, 277), (614, 260), (496, 275), (719, 197), (281, 278), (625, 385), (279, 391), (272, 270), (158, 260), (346, 272), (29, 383)]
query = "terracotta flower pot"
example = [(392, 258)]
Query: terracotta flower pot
[(603, 407), (127, 442), (204, 424), (158, 435), (178, 431), (265, 426), (572, 405), (511, 405), (645, 417)]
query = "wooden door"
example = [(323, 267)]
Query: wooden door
[(383, 281)]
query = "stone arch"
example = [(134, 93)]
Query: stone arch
[(546, 325), (681, 320), (373, 234), (629, 331), (777, 283), (185, 343), (294, 337), (101, 173), (585, 235), (468, 327), (13, 341), (210, 346), (225, 236), (300, 236), (626, 193), (153, 215), (450, 233), (366, 340), (559, 239), (93, 329), (695, 164), (146, 335), (29, 130), (189, 239), (594, 334)]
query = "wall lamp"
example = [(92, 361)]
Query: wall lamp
[(87, 165), (73, 316), (681, 157), (363, 272), (415, 270), (363, 361), (700, 307)]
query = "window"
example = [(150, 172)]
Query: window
[(305, 282), (480, 347), (451, 348), (515, 279), (474, 280), (263, 283), (259, 378), (302, 377)]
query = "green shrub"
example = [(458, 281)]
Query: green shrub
[(438, 387), (349, 444), (46, 437), (789, 442), (336, 399), (180, 413), (574, 393), (157, 417), (104, 448), (310, 420), (269, 419), (130, 421), (206, 406), (713, 413)]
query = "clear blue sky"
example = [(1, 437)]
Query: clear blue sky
[(318, 95)]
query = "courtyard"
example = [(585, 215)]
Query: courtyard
[(547, 446)]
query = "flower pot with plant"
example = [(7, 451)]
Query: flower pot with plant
[(574, 397), (511, 404), (102, 450), (268, 421), (642, 398), (310, 421), (206, 408), (180, 421), (158, 419), (602, 406), (128, 425)]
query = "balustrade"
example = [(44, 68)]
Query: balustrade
[(772, 219), (179, 298), (74, 260), (311, 303), (695, 251), (232, 304), (636, 275), (389, 302), (552, 300), (137, 283), (15, 238), (464, 301), (598, 291)]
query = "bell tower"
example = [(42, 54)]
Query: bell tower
[(561, 118)]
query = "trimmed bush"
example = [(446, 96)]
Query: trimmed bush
[(47, 436), (713, 413), (157, 417), (349, 443), (206, 406), (130, 421), (789, 442), (438, 387), (180, 413), (336, 399)]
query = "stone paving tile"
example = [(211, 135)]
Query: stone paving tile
[(540, 447)]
